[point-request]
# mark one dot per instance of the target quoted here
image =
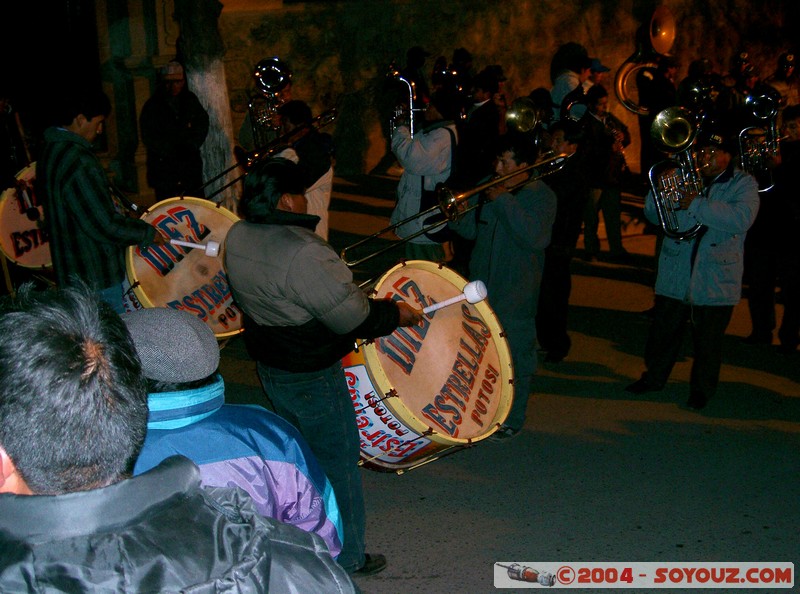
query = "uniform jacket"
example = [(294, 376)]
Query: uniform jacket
[(511, 234), (429, 154), (302, 310), (478, 141), (714, 275), (155, 533), (566, 82), (88, 235), (246, 446)]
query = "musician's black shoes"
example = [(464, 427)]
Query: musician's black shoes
[(372, 564), (754, 339), (696, 402)]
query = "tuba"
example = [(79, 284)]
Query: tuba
[(759, 146), (651, 43), (272, 77), (674, 132), (523, 115)]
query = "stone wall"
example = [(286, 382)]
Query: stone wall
[(339, 51)]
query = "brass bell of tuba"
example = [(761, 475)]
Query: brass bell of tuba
[(272, 77), (674, 132), (651, 43), (522, 115)]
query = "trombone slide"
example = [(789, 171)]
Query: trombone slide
[(451, 206)]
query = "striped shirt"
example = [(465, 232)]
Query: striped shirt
[(88, 236)]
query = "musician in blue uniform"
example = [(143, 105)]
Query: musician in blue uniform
[(700, 276)]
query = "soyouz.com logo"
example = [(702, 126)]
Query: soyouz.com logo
[(620, 575)]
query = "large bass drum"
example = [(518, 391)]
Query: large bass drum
[(23, 239), (426, 391), (183, 277)]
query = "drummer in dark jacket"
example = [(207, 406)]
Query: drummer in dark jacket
[(302, 315)]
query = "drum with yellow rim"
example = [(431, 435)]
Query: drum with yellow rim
[(23, 239), (428, 390), (184, 277)]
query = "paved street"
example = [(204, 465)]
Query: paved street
[(598, 474)]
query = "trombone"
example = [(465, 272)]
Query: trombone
[(450, 206), (288, 140)]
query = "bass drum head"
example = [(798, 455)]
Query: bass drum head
[(183, 277), (23, 239), (425, 389)]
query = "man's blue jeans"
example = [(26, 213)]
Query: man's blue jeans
[(318, 403)]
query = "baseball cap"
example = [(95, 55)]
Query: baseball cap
[(719, 138), (597, 66), (172, 71)]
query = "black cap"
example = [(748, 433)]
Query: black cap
[(486, 81), (720, 138), (598, 66)]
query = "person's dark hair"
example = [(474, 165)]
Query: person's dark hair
[(573, 131), (446, 101), (265, 184), (699, 68), (569, 56), (296, 112), (486, 82), (73, 403), (521, 144), (461, 56), (594, 94), (542, 98), (91, 103)]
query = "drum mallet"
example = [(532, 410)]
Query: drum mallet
[(211, 248), (473, 292)]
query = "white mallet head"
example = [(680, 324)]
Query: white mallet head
[(473, 292), (211, 248)]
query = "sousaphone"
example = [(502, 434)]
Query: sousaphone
[(651, 43)]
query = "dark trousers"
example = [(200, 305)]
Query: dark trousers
[(761, 276), (318, 403), (708, 324), (789, 280), (551, 315), (607, 200)]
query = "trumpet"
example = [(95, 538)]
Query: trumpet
[(451, 206)]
